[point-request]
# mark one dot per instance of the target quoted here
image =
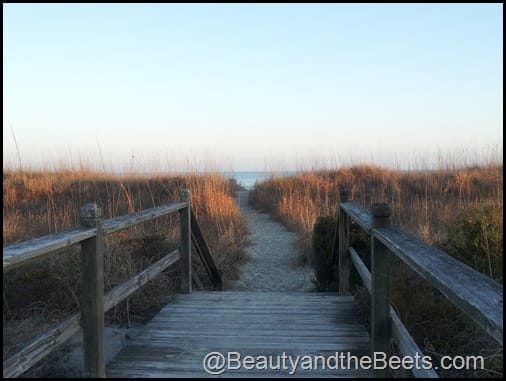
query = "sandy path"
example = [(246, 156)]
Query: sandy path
[(272, 265)]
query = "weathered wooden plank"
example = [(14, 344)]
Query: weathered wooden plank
[(272, 296), (364, 273), (344, 244), (255, 326), (480, 297), (92, 295), (195, 370), (41, 346), (15, 255), (279, 318), (381, 324), (239, 345), (122, 291), (264, 308), (175, 342), (257, 294), (358, 214), (341, 243), (142, 373), (278, 299), (122, 222), (408, 347), (204, 252), (132, 352), (154, 360), (176, 311), (185, 243), (405, 342), (213, 331), (237, 304), (50, 340), (267, 311), (261, 342)]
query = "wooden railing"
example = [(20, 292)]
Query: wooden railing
[(478, 296), (94, 303)]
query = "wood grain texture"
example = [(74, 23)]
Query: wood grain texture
[(185, 250), (118, 223), (405, 342), (92, 302), (204, 252), (358, 214), (41, 346), (344, 257), (122, 291), (480, 297), (381, 323), (176, 341), (51, 339), (15, 255)]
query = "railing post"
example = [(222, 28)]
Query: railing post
[(344, 244), (381, 326), (185, 218), (92, 297)]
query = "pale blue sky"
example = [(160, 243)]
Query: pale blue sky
[(245, 86)]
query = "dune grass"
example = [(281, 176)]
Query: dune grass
[(457, 209), (37, 203)]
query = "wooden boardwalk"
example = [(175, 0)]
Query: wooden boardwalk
[(263, 326), (175, 342)]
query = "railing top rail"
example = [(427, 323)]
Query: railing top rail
[(477, 295), (358, 214), (17, 254)]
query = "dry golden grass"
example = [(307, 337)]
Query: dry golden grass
[(41, 203), (441, 207), (422, 202)]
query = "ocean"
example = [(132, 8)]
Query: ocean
[(248, 179)]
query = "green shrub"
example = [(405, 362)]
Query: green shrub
[(323, 262)]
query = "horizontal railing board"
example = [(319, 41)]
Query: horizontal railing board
[(480, 297), (121, 292), (358, 214), (55, 336), (41, 346), (122, 222), (17, 254), (404, 340)]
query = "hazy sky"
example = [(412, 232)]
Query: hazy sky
[(243, 86)]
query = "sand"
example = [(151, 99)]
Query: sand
[(273, 256)]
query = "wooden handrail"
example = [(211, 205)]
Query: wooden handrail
[(479, 297), (406, 344), (93, 302), (38, 348), (202, 249), (15, 255)]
